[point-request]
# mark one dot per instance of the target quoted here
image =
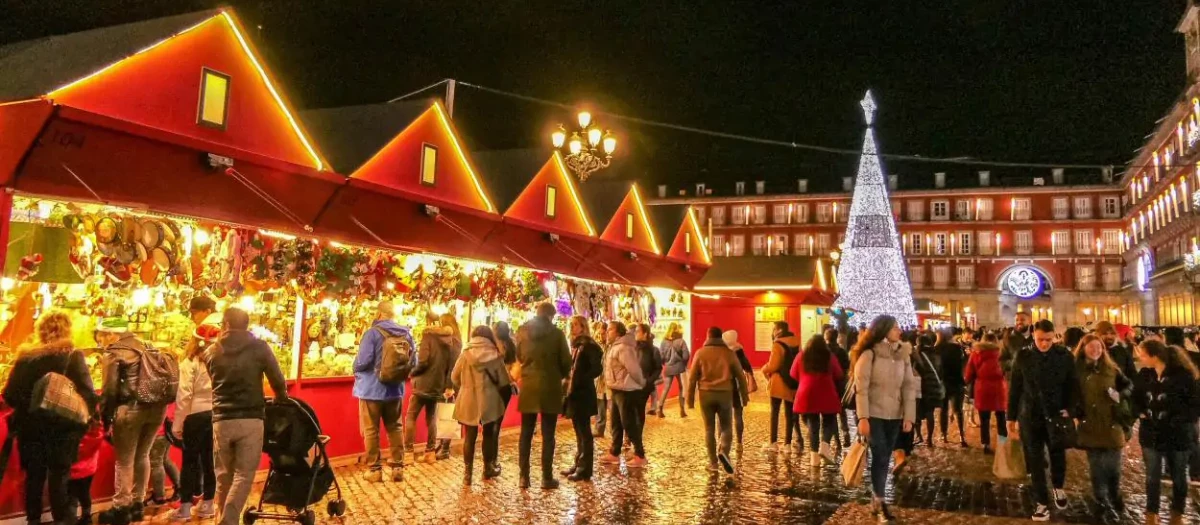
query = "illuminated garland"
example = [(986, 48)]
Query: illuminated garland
[(872, 277)]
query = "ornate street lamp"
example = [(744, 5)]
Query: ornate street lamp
[(588, 150)]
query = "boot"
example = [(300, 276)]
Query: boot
[(682, 412), (901, 459), (491, 471), (524, 482), (551, 484), (1176, 518), (661, 415), (137, 513), (1151, 519), (115, 516), (468, 469)]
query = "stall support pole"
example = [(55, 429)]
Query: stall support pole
[(299, 343), (6, 203)]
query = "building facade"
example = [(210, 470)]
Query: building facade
[(1160, 195), (984, 249)]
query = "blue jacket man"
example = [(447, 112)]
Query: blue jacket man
[(379, 402)]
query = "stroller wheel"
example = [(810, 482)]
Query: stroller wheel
[(337, 508), (249, 517), (307, 518)]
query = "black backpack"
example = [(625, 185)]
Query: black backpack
[(395, 363), (652, 364), (785, 369)]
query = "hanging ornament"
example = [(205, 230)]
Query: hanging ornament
[(29, 266)]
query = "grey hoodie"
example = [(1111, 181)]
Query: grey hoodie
[(237, 363)]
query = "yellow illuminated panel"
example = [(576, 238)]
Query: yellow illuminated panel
[(551, 201), (214, 98), (562, 170), (428, 164), (687, 243), (628, 225)]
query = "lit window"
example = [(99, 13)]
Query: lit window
[(628, 225), (687, 243), (428, 164), (214, 99), (551, 201)]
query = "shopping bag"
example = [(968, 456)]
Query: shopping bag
[(1010, 459), (447, 426), (853, 464)]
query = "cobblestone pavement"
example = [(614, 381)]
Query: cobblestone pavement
[(946, 485)]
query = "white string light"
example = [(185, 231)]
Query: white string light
[(872, 278)]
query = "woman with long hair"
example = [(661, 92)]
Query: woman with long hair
[(478, 376), (1101, 388), (580, 398), (47, 446), (1167, 399), (817, 401), (193, 423), (885, 401), (991, 394), (933, 390), (652, 366), (675, 355), (599, 336)]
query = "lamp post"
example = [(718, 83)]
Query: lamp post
[(588, 149)]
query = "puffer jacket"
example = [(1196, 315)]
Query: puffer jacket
[(775, 368), (622, 366), (194, 394), (675, 356), (983, 370), (933, 388), (886, 384), (435, 360), (478, 376), (1098, 428)]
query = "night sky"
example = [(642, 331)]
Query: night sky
[(1036, 81)]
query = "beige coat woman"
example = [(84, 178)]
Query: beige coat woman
[(478, 376)]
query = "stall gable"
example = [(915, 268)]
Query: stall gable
[(689, 242), (551, 200), (630, 226), (20, 124), (204, 82), (427, 160)]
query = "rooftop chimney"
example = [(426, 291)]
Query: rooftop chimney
[(802, 185), (939, 179), (985, 178)]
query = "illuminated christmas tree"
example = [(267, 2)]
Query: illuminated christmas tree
[(872, 278)]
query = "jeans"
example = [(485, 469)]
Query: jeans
[(1104, 465), (133, 434), (790, 420), (528, 424), (985, 433), (161, 468), (739, 422), (1177, 468), (585, 445), (1036, 437), (823, 424), (40, 469), (953, 400), (80, 493), (716, 406), (198, 477), (676, 379), (416, 404), (884, 434), (491, 446), (624, 417), (238, 445), (370, 414), (601, 416)]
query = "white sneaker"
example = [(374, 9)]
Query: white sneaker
[(771, 447), (206, 509), (827, 453), (1060, 499), (183, 513), (1041, 513)]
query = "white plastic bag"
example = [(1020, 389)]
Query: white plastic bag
[(447, 426)]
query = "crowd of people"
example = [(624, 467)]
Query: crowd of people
[(1091, 390)]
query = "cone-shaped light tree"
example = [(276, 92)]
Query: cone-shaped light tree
[(873, 279)]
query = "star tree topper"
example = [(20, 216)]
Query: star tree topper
[(868, 106)]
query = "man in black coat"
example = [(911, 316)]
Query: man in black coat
[(1020, 338), (951, 361), (1043, 391), (580, 403)]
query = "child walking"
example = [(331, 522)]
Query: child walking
[(79, 487)]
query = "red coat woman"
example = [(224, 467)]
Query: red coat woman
[(983, 368), (817, 393)]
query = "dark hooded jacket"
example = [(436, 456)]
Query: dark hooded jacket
[(545, 363), (587, 366), (435, 361), (237, 363)]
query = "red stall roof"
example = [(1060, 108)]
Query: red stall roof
[(687, 258), (628, 244), (411, 184)]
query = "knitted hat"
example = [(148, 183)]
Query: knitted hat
[(116, 325), (209, 329)]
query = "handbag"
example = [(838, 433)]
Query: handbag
[(1010, 459), (852, 385), (854, 463), (1063, 433), (55, 397), (447, 426)]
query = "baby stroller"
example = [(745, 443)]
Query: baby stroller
[(297, 478)]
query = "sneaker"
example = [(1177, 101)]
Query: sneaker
[(430, 457), (397, 474), (207, 509), (611, 459), (1060, 499), (637, 463), (712, 468), (1041, 513), (826, 453), (1109, 515), (373, 476), (987, 450), (726, 465), (183, 513)]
